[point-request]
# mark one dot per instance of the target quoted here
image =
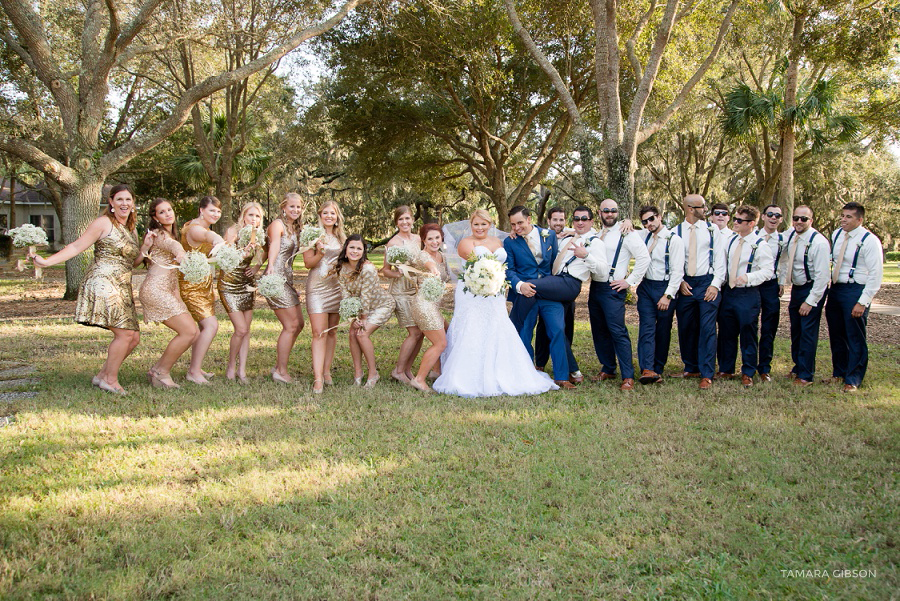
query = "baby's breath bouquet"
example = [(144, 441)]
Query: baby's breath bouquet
[(28, 235), (350, 308), (227, 257), (248, 234), (397, 255), (431, 289), (194, 267), (485, 276), (271, 285), (309, 236)]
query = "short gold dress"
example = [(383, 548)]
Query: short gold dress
[(284, 264), (159, 293), (199, 298), (323, 293), (377, 304), (236, 288), (105, 298), (426, 314), (404, 290)]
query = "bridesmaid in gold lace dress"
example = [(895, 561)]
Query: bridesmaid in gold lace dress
[(427, 314), (236, 291), (403, 290), (199, 298), (358, 277), (323, 294), (282, 243), (105, 299), (160, 298)]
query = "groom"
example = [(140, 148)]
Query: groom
[(530, 256)]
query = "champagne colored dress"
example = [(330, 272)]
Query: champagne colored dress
[(199, 298), (236, 288), (377, 304), (404, 289), (284, 264), (427, 315), (159, 294), (323, 293), (105, 298)]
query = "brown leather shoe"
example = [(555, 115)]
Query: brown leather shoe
[(687, 374), (790, 375), (602, 377), (747, 381), (705, 383), (802, 382), (576, 377), (648, 376), (850, 388), (627, 384), (539, 368), (832, 380), (564, 384), (765, 378), (723, 376)]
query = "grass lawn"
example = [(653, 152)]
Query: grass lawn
[(268, 492), (892, 272)]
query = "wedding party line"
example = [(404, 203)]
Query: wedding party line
[(723, 284)]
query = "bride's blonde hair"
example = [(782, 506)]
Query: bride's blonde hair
[(483, 214)]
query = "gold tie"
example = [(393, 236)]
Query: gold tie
[(653, 244), (768, 236), (531, 245), (839, 260), (603, 234), (735, 260), (558, 264), (790, 260), (692, 251)]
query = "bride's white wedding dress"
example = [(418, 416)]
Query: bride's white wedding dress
[(484, 355)]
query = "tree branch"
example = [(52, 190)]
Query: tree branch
[(38, 159)]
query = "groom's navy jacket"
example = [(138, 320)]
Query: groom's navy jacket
[(520, 263)]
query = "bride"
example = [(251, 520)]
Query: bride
[(484, 355)]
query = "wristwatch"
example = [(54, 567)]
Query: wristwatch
[(669, 296)]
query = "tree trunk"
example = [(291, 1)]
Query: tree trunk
[(223, 193), (12, 201), (788, 136), (586, 153), (620, 167), (80, 207)]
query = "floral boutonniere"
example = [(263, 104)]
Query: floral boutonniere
[(668, 235), (755, 245), (545, 234)]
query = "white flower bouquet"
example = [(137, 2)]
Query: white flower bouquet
[(249, 235), (485, 276), (397, 255), (194, 267), (227, 257), (271, 285), (431, 289), (350, 308), (309, 236), (28, 235)]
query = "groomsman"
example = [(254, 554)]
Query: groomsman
[(750, 263), (557, 222), (606, 303), (769, 297), (805, 267), (698, 301), (656, 293), (720, 216), (855, 280)]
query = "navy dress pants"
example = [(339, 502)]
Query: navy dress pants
[(739, 321), (655, 329), (697, 327), (849, 350), (804, 332), (769, 314), (606, 309)]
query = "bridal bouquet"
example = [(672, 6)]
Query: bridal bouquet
[(228, 257), (485, 276), (194, 267), (249, 235), (431, 289), (271, 285), (308, 237)]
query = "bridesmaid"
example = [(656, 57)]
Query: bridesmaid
[(403, 290), (105, 299), (236, 291), (159, 294), (323, 293), (200, 298), (427, 314), (358, 277), (282, 240), (433, 243)]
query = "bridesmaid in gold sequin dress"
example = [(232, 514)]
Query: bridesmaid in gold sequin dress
[(105, 299), (199, 298), (403, 290), (237, 292), (428, 314), (282, 242), (358, 277), (323, 294), (160, 297)]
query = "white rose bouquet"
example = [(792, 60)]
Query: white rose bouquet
[(195, 267), (485, 276)]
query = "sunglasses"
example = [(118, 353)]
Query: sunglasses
[(802, 218), (576, 219), (609, 210), (720, 213), (649, 219), (739, 221), (772, 215), (696, 206)]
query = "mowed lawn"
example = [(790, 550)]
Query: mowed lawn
[(266, 491)]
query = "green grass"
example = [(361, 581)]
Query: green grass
[(269, 492), (892, 272)]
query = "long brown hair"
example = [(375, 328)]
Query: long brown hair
[(156, 225), (343, 260), (131, 222)]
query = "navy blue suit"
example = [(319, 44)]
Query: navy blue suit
[(522, 267)]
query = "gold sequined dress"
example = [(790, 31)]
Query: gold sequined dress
[(404, 289), (199, 298), (236, 288), (377, 304), (160, 298), (323, 293), (284, 264), (105, 298), (426, 314)]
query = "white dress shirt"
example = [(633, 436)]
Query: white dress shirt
[(763, 260), (595, 263), (776, 245), (725, 233), (869, 268), (706, 235), (632, 246), (815, 253), (657, 269)]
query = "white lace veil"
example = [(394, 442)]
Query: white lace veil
[(453, 233)]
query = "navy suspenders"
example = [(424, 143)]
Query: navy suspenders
[(615, 261), (805, 258), (749, 261), (778, 254), (855, 255), (668, 241), (573, 257)]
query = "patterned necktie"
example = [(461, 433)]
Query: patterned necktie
[(692, 251), (735, 261), (839, 260), (790, 260)]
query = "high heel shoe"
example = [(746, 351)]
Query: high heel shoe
[(157, 381), (357, 381), (207, 374), (421, 387), (277, 377), (370, 383), (400, 377), (95, 381), (318, 386), (191, 379), (103, 385)]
